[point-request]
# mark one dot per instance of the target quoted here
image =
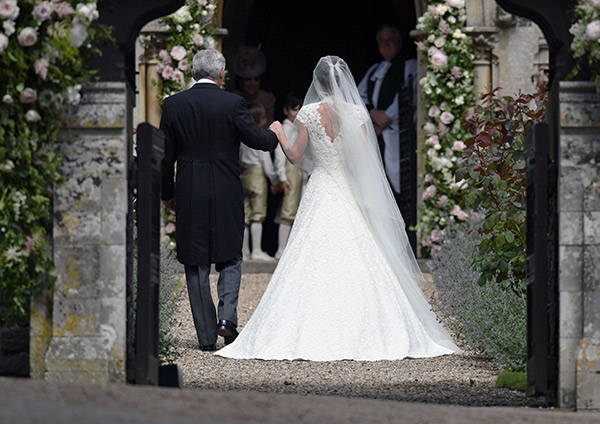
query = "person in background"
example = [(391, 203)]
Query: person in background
[(290, 176), (256, 166)]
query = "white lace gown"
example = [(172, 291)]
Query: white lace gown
[(333, 295)]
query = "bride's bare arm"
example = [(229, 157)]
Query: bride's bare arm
[(295, 151)]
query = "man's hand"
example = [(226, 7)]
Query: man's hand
[(378, 130), (275, 188), (380, 118), (170, 204), (277, 128), (286, 186)]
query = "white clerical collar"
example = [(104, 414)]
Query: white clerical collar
[(381, 70), (205, 80)]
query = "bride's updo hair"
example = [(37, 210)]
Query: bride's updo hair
[(325, 70)]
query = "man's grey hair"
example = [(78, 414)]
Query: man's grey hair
[(394, 30), (208, 64)]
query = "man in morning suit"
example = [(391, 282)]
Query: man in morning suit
[(203, 127)]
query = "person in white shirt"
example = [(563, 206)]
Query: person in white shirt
[(287, 172), (379, 90), (256, 166)]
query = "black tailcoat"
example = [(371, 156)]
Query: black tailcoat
[(204, 127)]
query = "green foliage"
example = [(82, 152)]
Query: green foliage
[(447, 87), (494, 168), (43, 62), (586, 38), (512, 380)]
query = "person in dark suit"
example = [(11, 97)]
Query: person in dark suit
[(203, 127), (379, 90)]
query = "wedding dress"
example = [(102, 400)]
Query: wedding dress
[(336, 294)]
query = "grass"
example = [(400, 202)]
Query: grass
[(512, 380)]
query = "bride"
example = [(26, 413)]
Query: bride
[(347, 285)]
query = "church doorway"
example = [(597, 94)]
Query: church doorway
[(294, 35)]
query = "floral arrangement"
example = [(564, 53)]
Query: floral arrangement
[(191, 28), (447, 89), (487, 318), (44, 47), (586, 37)]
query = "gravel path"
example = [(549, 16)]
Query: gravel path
[(461, 380)]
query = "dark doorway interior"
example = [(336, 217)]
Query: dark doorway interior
[(293, 36)]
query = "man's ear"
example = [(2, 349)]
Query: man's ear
[(194, 76), (222, 73)]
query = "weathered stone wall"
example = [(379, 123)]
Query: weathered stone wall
[(579, 246), (88, 324)]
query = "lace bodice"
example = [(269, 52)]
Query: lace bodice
[(325, 152)]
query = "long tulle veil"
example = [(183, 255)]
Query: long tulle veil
[(334, 85)]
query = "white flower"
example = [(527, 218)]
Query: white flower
[(178, 52), (433, 140), (446, 117), (78, 34), (460, 100), (43, 11), (434, 111), (439, 42), (13, 255), (426, 241), (202, 2), (73, 94), (28, 95), (27, 37), (431, 38), (182, 15), (429, 127), (435, 235), (439, 59), (8, 166), (437, 146), (458, 146), (9, 9), (179, 28), (458, 34), (9, 27), (87, 9), (592, 30), (198, 39), (3, 42), (7, 99), (457, 4), (210, 42), (452, 20), (32, 116), (431, 153), (429, 177), (442, 9)]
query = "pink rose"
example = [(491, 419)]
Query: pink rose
[(439, 42), (63, 9), (41, 67), (170, 228), (429, 192), (446, 117), (429, 177), (426, 241), (439, 59), (462, 216), (435, 250), (431, 153), (27, 37), (177, 75), (167, 73), (443, 201), (184, 64), (178, 52), (432, 10), (442, 129), (435, 235), (9, 9), (434, 111), (421, 46), (43, 11), (432, 50), (433, 140), (198, 39), (458, 146), (165, 58), (455, 72), (28, 95), (429, 127), (592, 30)]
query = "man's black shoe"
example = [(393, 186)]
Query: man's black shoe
[(227, 330), (208, 348)]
